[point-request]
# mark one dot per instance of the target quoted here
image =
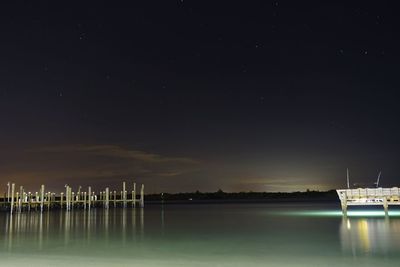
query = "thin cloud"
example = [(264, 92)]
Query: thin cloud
[(117, 152), (92, 164)]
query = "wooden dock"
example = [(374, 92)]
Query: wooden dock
[(18, 200)]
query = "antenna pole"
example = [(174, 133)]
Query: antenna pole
[(348, 179), (379, 177)]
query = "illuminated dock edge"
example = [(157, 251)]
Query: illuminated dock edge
[(369, 197)]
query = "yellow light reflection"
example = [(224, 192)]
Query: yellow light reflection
[(363, 235)]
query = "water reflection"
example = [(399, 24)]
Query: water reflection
[(180, 235), (44, 230), (366, 236)]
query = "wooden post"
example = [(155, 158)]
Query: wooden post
[(37, 200), (72, 198), (66, 197), (344, 205), (78, 195), (124, 193), (69, 197), (29, 200), (142, 196), (17, 199), (84, 200), (20, 194), (90, 196), (12, 197), (61, 199), (386, 206), (48, 200), (107, 197), (8, 192), (41, 197), (115, 199), (25, 199), (134, 195)]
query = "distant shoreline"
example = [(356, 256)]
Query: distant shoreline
[(238, 201), (241, 197)]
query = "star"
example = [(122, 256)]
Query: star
[(82, 35)]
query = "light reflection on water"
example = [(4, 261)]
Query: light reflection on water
[(338, 213), (370, 235), (200, 235), (43, 228)]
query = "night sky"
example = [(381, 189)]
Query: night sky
[(199, 95)]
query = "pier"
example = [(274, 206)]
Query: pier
[(16, 199), (369, 197)]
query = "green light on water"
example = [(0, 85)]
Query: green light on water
[(338, 213)]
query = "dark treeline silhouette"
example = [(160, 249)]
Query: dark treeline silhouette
[(244, 196)]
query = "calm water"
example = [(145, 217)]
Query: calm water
[(202, 235)]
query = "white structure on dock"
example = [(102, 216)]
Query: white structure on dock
[(368, 196)]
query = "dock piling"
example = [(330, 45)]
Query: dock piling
[(124, 193), (12, 197), (61, 199), (134, 195), (386, 206), (90, 196), (115, 199), (142, 196), (8, 192), (84, 200), (107, 197), (41, 198)]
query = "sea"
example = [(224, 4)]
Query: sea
[(224, 234)]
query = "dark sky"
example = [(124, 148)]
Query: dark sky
[(187, 95)]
